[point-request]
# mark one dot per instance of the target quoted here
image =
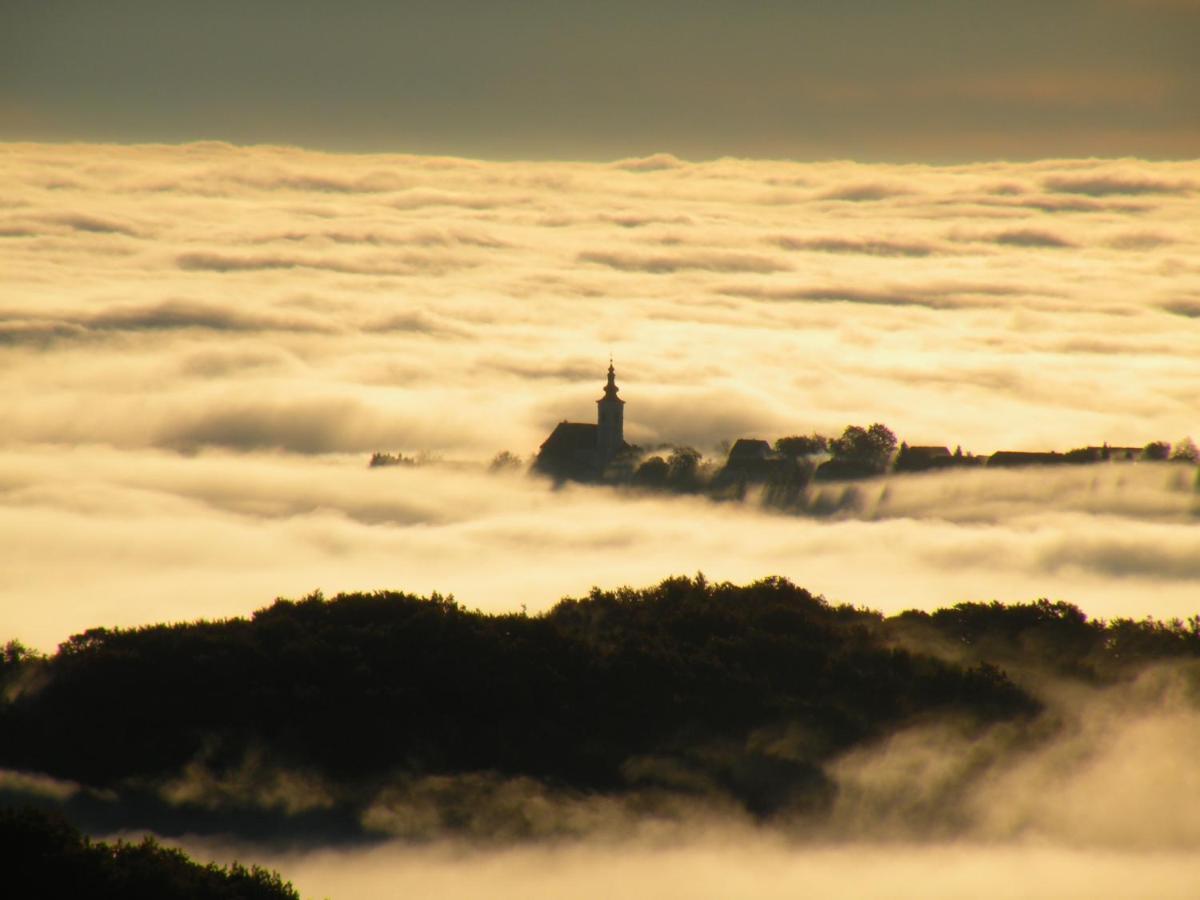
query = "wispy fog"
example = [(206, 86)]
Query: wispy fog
[(1097, 797), (200, 346), (722, 864)]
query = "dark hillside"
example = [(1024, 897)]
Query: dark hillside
[(685, 686), (361, 687), (1046, 639)]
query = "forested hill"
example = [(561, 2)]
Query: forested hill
[(365, 691)]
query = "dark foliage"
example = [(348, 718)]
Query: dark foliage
[(366, 685), (379, 459), (1156, 451), (1185, 451), (365, 689), (801, 445), (652, 473), (869, 447), (45, 857), (1047, 638)]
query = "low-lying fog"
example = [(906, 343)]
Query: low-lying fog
[(1107, 807), (723, 865), (99, 535), (201, 345)]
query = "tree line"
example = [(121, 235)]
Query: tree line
[(782, 470), (364, 688)]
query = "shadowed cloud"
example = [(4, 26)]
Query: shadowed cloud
[(91, 223), (865, 191), (658, 162), (931, 296), (1106, 185), (390, 264), (665, 264), (169, 315), (1031, 237), (1188, 308), (866, 246)]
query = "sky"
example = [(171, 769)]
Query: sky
[(929, 81)]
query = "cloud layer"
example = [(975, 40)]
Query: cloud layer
[(202, 344)]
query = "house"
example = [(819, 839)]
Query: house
[(923, 458), (580, 451), (751, 460)]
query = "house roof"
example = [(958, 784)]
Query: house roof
[(929, 451)]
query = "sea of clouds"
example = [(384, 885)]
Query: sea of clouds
[(201, 345)]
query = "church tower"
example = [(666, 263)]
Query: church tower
[(610, 421)]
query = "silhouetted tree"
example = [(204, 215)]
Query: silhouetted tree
[(800, 445), (683, 468), (1083, 455), (1156, 451), (652, 473), (1185, 452), (504, 462), (390, 459), (871, 446), (859, 452)]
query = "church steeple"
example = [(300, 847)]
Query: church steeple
[(610, 420), (610, 389)]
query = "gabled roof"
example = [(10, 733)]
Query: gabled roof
[(929, 451), (570, 437)]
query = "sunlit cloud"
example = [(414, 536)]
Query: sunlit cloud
[(203, 344)]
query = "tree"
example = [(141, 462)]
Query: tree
[(1186, 452), (1156, 451), (798, 445), (683, 468), (868, 447), (504, 462), (390, 459), (652, 473)]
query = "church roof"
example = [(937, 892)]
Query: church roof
[(570, 437)]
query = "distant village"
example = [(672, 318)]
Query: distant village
[(598, 453), (582, 451)]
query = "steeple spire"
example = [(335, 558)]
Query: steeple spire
[(610, 420)]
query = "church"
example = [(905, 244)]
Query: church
[(583, 452)]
